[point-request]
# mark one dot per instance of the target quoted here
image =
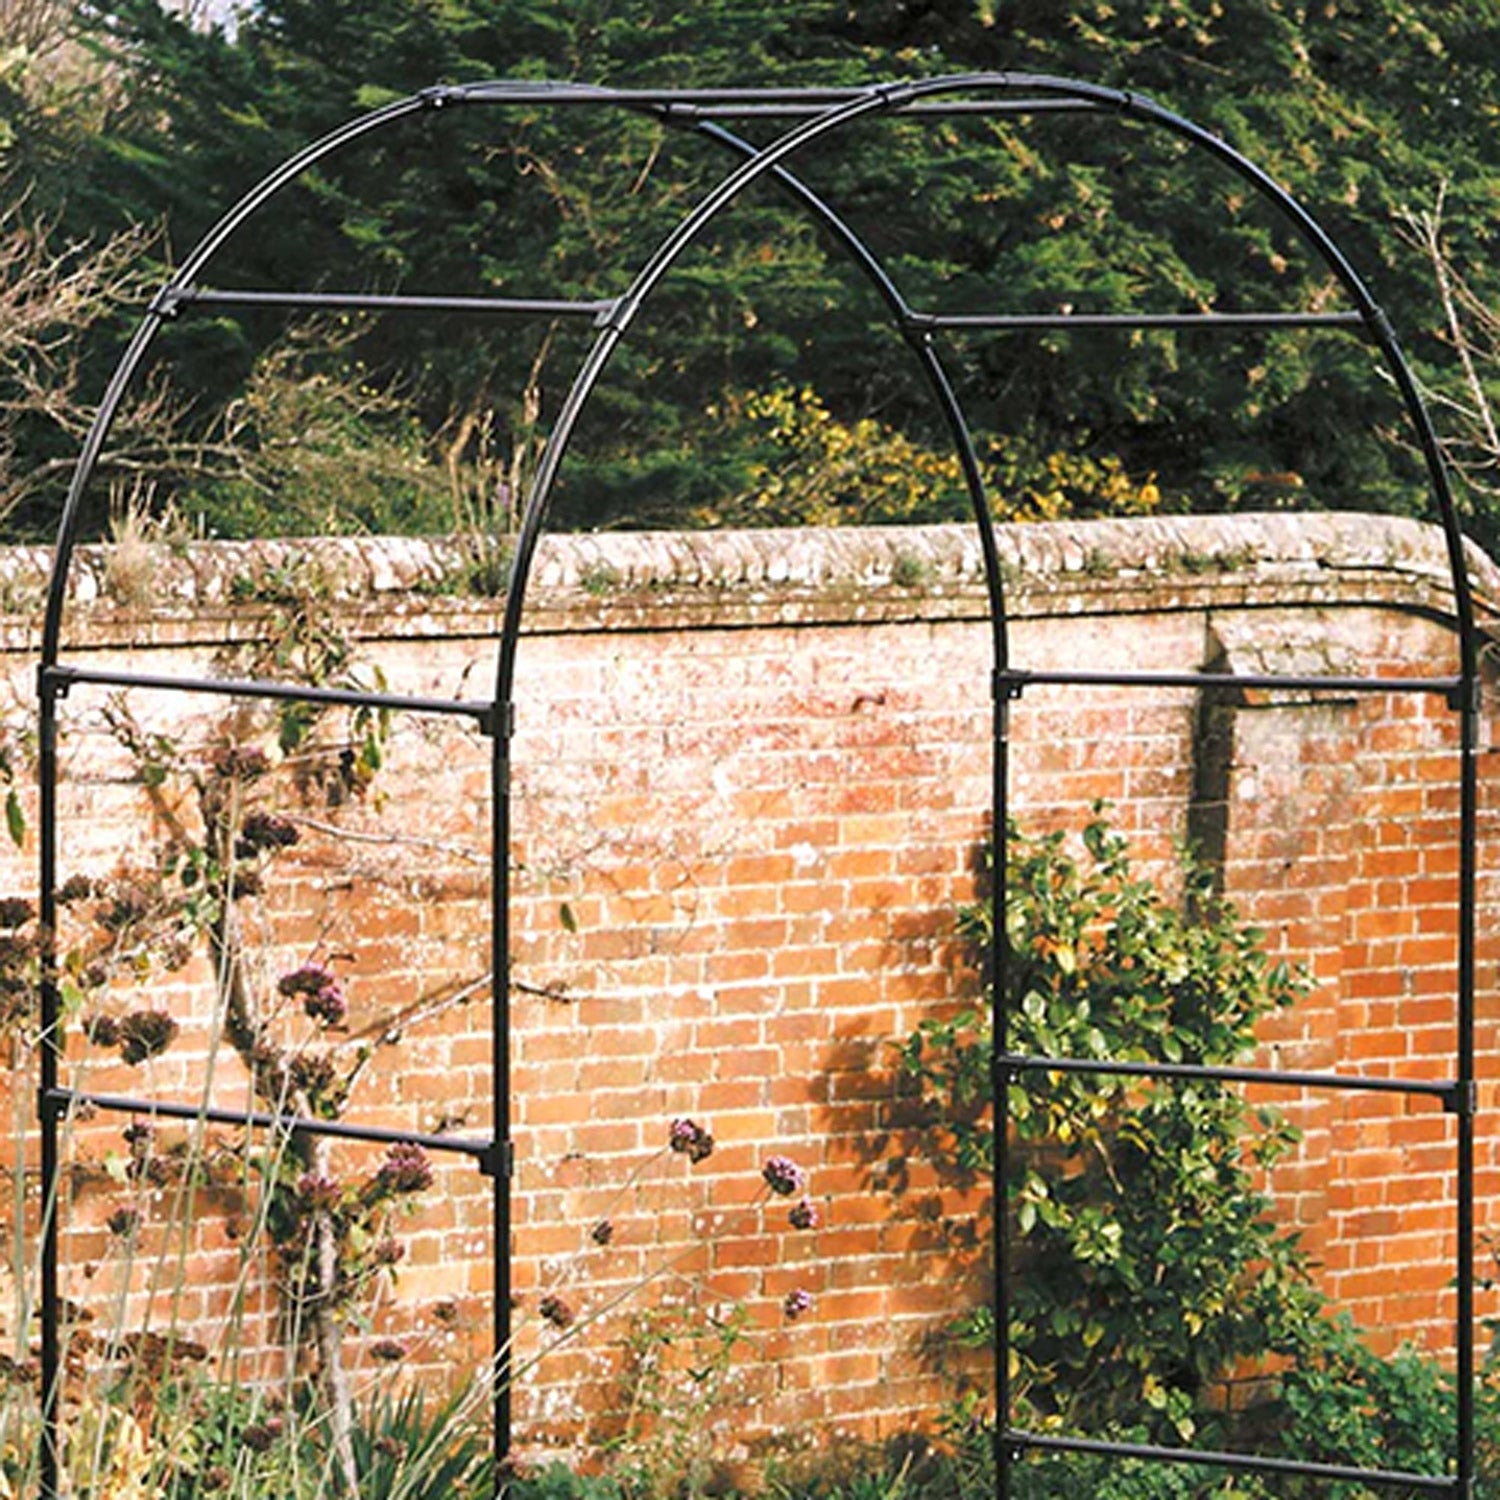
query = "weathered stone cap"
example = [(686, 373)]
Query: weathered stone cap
[(1157, 562)]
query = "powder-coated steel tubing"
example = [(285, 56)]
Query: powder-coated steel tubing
[(1019, 678), (532, 522), (506, 307), (63, 1099), (1053, 322), (823, 112), (941, 110), (1464, 1023), (1439, 1484), (500, 1202), (756, 103), (1447, 1090), (65, 676), (49, 1057)]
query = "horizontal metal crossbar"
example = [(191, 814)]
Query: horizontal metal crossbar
[(920, 321), (1439, 1484), (60, 678), (63, 1099), (1011, 681), (732, 102), (1444, 1089), (734, 111), (169, 301)]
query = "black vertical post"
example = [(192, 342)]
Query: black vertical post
[(49, 1045), (999, 966), (502, 1159), (1469, 714)]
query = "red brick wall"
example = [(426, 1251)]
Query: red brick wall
[(751, 781)]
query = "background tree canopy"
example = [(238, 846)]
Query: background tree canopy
[(764, 384)]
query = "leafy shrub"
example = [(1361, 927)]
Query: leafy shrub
[(1148, 1263), (806, 466)]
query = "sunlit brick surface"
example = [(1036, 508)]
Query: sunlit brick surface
[(751, 788)]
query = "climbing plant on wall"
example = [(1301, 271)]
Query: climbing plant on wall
[(1153, 1266)]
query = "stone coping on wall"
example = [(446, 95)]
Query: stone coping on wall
[(170, 595)]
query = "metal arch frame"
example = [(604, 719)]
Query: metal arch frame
[(821, 112)]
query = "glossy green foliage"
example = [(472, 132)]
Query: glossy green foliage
[(1148, 1261)]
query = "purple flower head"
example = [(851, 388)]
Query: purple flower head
[(263, 830), (15, 910), (783, 1176), (797, 1302), (124, 1221), (102, 1031), (388, 1252), (258, 1436), (322, 994), (319, 1192), (405, 1169), (145, 1033), (75, 888), (307, 980), (387, 1351), (328, 1005), (555, 1310), (691, 1139), (804, 1214)]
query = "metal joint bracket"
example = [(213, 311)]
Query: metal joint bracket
[(498, 1160), (894, 95), (52, 1104), (441, 94), (1008, 1069), (1007, 684), (617, 315), (54, 682), (1461, 1099), (167, 303), (1467, 697), (1383, 329), (919, 330), (498, 719), (605, 317)]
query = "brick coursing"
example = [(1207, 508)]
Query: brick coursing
[(752, 774)]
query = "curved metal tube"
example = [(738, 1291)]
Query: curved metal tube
[(145, 335), (823, 112), (937, 376), (768, 160)]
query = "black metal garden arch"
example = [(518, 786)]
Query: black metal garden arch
[(811, 115)]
